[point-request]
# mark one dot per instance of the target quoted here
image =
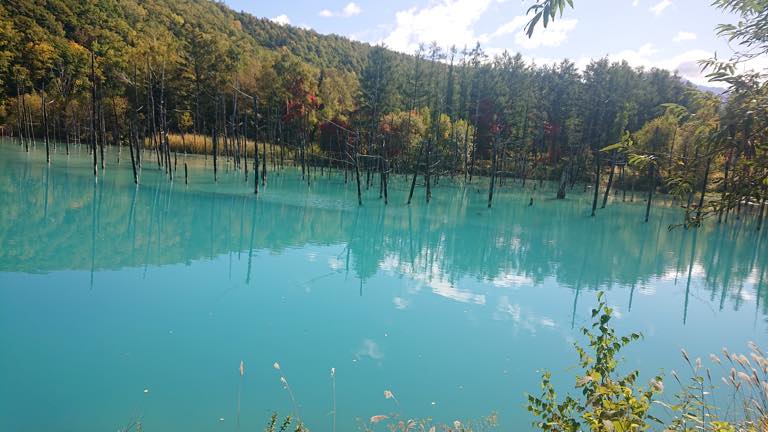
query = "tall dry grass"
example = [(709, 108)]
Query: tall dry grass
[(736, 402), (203, 144)]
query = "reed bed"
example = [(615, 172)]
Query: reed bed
[(203, 144), (737, 401)]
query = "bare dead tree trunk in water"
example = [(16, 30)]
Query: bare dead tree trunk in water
[(651, 189), (281, 143), (385, 172), (45, 126), (164, 127), (93, 116), (415, 172), (690, 192), (652, 172), (245, 144), (597, 181), (66, 130), (493, 175), (357, 169), (610, 179), (725, 186), (427, 172), (20, 116), (25, 123), (762, 212), (135, 116), (215, 140), (116, 141), (256, 146), (264, 158), (304, 149), (703, 189), (30, 126), (623, 180), (474, 146), (380, 163), (563, 182), (205, 143), (133, 159), (466, 147), (152, 125), (102, 130), (386, 181), (233, 123), (196, 120), (302, 145)]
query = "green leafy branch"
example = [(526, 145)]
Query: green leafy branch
[(545, 11)]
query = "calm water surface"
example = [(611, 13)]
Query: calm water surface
[(107, 290)]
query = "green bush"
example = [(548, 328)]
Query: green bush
[(609, 401)]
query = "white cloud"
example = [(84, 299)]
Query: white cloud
[(635, 2), (452, 22), (447, 22), (282, 19), (645, 51), (517, 24), (684, 36), (685, 63), (555, 34), (351, 9), (660, 6)]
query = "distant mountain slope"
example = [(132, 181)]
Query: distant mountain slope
[(319, 50), (709, 89), (130, 20)]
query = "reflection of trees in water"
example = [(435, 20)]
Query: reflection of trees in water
[(46, 226)]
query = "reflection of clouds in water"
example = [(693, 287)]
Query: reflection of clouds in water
[(506, 308), (616, 312), (647, 290), (335, 263), (682, 273), (431, 275), (525, 320), (547, 322), (509, 280), (390, 263), (311, 256), (444, 288), (401, 303), (748, 297), (369, 349), (754, 276)]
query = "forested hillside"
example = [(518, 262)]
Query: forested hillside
[(134, 72)]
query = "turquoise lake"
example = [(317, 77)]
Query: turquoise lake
[(108, 290)]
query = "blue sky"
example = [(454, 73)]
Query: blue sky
[(671, 34)]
